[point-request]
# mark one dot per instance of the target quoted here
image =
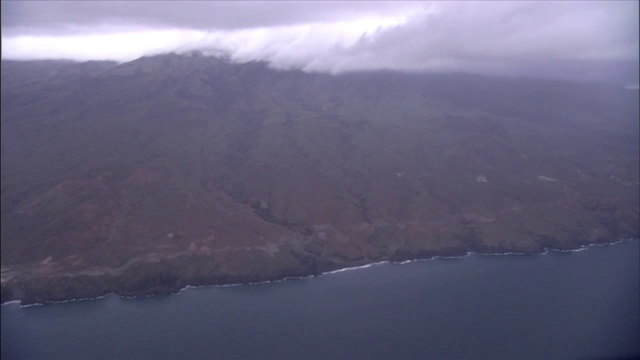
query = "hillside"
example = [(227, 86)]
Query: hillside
[(174, 170)]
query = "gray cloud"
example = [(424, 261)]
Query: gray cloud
[(65, 17), (575, 40), (572, 40)]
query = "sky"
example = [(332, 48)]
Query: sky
[(591, 40)]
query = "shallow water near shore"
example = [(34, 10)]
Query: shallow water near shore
[(561, 305)]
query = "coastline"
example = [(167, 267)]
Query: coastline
[(546, 250)]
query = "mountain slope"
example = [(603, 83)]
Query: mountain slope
[(176, 170)]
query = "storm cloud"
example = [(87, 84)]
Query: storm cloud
[(575, 40)]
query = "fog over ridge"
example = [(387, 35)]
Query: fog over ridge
[(571, 40)]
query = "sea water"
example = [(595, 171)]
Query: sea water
[(560, 305)]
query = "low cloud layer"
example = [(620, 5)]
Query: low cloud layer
[(575, 40)]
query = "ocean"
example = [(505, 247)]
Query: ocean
[(560, 305)]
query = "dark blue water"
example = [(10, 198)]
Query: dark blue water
[(577, 305)]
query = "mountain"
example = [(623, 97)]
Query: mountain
[(173, 170)]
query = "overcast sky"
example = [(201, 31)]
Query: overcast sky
[(579, 40)]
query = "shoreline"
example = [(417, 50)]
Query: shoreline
[(546, 251)]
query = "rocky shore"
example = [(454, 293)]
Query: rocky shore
[(177, 275)]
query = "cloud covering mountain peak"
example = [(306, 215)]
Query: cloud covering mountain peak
[(575, 40)]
